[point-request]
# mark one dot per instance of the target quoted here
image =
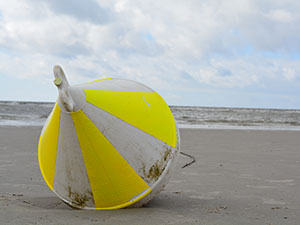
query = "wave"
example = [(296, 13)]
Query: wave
[(36, 113)]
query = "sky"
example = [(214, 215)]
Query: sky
[(233, 53)]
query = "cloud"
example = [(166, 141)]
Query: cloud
[(169, 45), (88, 10), (280, 15)]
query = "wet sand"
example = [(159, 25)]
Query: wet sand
[(240, 177)]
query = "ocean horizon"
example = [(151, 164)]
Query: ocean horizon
[(31, 113)]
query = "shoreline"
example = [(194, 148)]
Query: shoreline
[(231, 128)]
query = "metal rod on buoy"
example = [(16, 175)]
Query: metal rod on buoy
[(62, 85)]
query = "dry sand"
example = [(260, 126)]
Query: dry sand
[(240, 177)]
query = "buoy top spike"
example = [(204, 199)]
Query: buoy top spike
[(62, 85), (60, 77)]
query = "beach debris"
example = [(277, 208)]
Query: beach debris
[(217, 209), (27, 202), (107, 144), (18, 195)]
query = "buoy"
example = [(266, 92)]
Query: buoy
[(107, 144)]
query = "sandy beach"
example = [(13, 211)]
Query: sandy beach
[(240, 177)]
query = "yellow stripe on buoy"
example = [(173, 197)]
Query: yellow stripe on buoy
[(48, 147), (144, 110), (100, 80), (114, 183)]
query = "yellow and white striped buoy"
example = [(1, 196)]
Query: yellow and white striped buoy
[(108, 144)]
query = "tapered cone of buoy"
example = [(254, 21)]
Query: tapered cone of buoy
[(108, 144)]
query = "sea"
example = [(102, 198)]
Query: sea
[(15, 113)]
